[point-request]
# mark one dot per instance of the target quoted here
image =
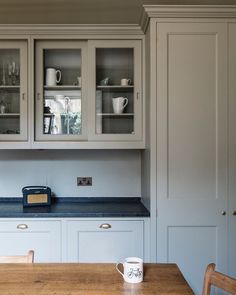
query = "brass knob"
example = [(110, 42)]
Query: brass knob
[(234, 213), (105, 226), (223, 212), (22, 226)]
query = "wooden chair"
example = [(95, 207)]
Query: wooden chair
[(219, 280), (29, 258)]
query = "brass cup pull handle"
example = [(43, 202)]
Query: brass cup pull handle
[(105, 226), (22, 226)]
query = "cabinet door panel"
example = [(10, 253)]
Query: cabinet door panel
[(60, 90), (116, 102), (88, 242), (13, 90), (44, 237), (192, 147)]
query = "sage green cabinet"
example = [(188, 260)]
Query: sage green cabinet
[(88, 93), (116, 90), (18, 236), (232, 153), (104, 240), (13, 90), (60, 92)]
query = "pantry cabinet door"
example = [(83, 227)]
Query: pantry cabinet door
[(232, 150), (192, 147)]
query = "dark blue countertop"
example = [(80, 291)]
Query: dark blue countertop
[(76, 207)]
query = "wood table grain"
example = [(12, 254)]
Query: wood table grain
[(88, 279)]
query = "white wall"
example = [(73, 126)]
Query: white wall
[(115, 173)]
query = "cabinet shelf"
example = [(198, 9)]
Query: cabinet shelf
[(62, 87), (115, 115), (70, 96), (9, 115), (9, 86), (61, 114), (115, 86)]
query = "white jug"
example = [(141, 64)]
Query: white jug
[(119, 103), (53, 77)]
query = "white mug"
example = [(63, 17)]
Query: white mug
[(119, 103), (125, 82), (53, 77), (133, 269)]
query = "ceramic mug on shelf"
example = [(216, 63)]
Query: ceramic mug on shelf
[(125, 82), (53, 76), (133, 269), (105, 81), (119, 103)]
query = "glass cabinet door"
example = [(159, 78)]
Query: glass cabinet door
[(117, 96), (60, 75), (13, 90)]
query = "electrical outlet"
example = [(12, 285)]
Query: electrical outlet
[(84, 181)]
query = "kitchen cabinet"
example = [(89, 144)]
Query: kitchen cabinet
[(192, 138), (75, 239), (20, 235), (13, 90), (77, 92), (60, 90), (81, 100), (232, 153), (104, 240), (116, 90)]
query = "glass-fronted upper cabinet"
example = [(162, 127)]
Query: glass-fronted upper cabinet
[(60, 97), (116, 103), (13, 90)]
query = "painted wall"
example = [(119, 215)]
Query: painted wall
[(115, 173)]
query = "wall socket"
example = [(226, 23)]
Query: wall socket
[(84, 181)]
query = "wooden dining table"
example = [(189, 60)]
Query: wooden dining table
[(88, 279)]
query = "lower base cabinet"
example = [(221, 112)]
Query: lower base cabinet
[(75, 240), (104, 241), (19, 236)]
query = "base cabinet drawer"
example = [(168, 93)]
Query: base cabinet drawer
[(19, 236), (104, 241)]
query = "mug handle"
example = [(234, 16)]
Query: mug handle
[(58, 77), (126, 102), (118, 268), (129, 81)]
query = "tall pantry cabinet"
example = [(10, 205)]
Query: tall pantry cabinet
[(192, 139), (232, 150)]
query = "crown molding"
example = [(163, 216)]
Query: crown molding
[(56, 29), (185, 11)]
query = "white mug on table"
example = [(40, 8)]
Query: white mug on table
[(125, 82), (53, 76), (133, 269), (119, 103)]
